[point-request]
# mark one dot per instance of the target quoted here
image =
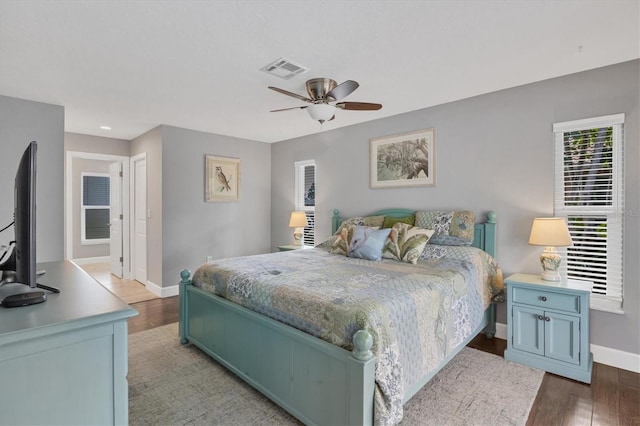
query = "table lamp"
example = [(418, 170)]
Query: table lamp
[(550, 232), (298, 220)]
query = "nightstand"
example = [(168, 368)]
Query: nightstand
[(288, 247), (548, 325)]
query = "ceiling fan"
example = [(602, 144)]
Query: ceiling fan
[(324, 97)]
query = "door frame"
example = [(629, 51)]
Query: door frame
[(68, 205), (131, 193)]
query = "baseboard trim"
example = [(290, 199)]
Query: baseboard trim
[(90, 260), (162, 291), (616, 358), (601, 354), (501, 331)]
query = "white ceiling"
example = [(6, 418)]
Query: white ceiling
[(133, 65)]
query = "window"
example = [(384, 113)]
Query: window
[(305, 182), (94, 216), (589, 195)]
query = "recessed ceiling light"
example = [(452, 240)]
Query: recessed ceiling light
[(105, 127)]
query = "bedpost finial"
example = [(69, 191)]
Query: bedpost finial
[(362, 343), (491, 217), (185, 274)]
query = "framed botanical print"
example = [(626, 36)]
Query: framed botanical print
[(403, 160)]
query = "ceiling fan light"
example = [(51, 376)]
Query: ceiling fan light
[(321, 112)]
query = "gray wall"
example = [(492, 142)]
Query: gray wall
[(21, 122), (494, 152), (96, 144), (151, 144), (192, 228)]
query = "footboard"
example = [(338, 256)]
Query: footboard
[(315, 381)]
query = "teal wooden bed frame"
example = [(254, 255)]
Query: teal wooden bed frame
[(315, 381)]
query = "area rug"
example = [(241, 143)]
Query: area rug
[(172, 384)]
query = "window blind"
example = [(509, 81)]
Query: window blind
[(305, 197), (589, 195), (95, 208)]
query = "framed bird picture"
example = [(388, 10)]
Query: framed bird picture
[(222, 176)]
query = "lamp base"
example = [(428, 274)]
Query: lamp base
[(550, 261), (297, 237), (550, 276)]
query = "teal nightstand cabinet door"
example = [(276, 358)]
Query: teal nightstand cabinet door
[(548, 325), (562, 337), (528, 335)]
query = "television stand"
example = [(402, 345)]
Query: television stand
[(64, 361)]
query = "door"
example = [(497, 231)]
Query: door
[(140, 219), (562, 337), (528, 330), (115, 219)]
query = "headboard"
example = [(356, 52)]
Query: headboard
[(484, 236)]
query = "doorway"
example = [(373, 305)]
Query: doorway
[(139, 217)]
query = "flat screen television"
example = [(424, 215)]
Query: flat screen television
[(25, 217), (23, 258)]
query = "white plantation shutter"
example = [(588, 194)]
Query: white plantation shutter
[(305, 184), (589, 194)]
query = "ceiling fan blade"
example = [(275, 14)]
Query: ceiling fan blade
[(343, 90), (286, 92), (358, 106), (287, 109)]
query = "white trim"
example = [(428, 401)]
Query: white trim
[(90, 260), (173, 290), (68, 205), (616, 358), (603, 121), (501, 331), (601, 354)]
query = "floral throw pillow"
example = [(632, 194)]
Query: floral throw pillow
[(406, 243), (370, 221), (343, 240), (452, 228)]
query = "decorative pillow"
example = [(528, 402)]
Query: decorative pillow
[(343, 240), (367, 243), (390, 221), (452, 228), (406, 242), (370, 221), (433, 251)]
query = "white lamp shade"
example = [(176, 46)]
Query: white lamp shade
[(321, 112), (550, 231), (298, 220)]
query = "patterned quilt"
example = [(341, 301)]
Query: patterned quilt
[(417, 314)]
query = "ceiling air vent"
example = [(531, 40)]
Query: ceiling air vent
[(284, 68)]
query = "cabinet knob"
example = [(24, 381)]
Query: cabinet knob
[(540, 317), (543, 298), (547, 319)]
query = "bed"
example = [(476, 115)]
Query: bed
[(320, 355)]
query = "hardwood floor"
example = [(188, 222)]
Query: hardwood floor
[(613, 398), (153, 313), (130, 291)]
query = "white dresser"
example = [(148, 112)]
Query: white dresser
[(64, 361)]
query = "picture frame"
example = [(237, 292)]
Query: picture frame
[(403, 160), (222, 179)]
